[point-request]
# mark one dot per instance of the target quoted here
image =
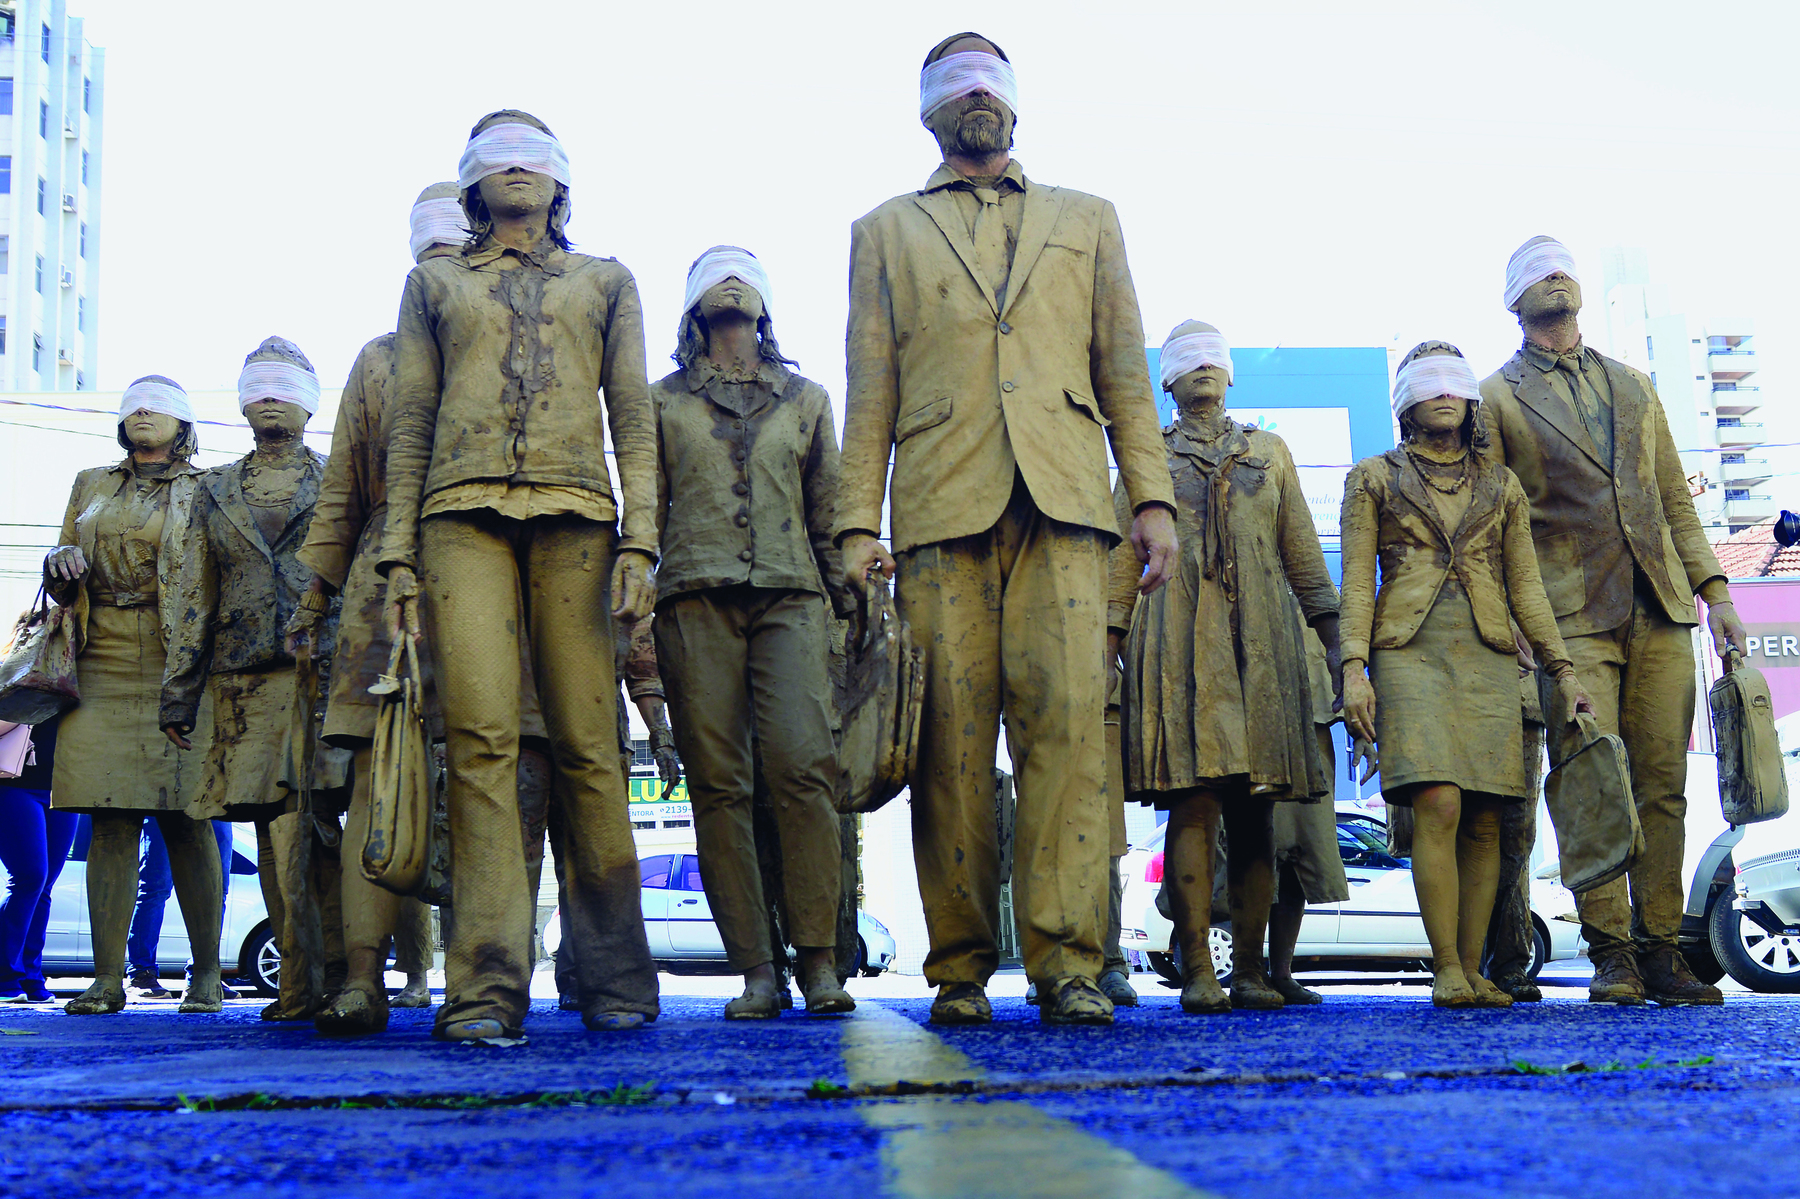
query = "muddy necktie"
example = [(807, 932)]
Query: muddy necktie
[(990, 242), (1587, 404)]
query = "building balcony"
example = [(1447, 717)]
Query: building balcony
[(1742, 474), (1748, 432), (1731, 364), (1735, 401), (1748, 509)]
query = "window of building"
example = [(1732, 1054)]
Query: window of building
[(1696, 341), (80, 314), (1650, 346), (1652, 378), (82, 242), (40, 274), (5, 174), (45, 51), (37, 352), (1737, 493), (1729, 459), (6, 96), (80, 381), (87, 95), (2, 335), (1699, 378), (40, 195), (5, 251), (43, 118), (84, 160)]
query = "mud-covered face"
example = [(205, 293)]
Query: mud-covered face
[(1200, 388), (1549, 298), (1440, 414), (151, 431), (276, 418), (731, 298), (975, 126), (517, 192)]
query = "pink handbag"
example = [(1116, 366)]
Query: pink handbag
[(16, 751)]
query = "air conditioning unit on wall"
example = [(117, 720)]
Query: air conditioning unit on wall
[(68, 278), (68, 202), (65, 357)]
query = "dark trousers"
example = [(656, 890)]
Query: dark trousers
[(34, 844), (156, 882)]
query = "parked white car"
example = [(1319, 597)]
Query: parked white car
[(1378, 927), (684, 939), (246, 947)]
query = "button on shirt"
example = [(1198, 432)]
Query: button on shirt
[(1580, 381), (749, 477)]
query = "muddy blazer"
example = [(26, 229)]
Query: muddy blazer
[(1596, 523), (1388, 517), (966, 390), (230, 592)]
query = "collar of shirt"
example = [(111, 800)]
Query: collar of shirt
[(704, 371), (946, 176), (547, 257), (1547, 360), (126, 467)]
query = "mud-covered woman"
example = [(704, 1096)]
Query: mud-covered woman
[(749, 474), (124, 528), (1439, 698), (501, 512), (1217, 722)]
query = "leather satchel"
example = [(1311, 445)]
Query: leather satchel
[(884, 689), (1598, 835), (398, 852), (1752, 781), (37, 670)]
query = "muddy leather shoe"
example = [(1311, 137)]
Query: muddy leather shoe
[(1117, 988), (354, 1013), (1669, 982), (1074, 1000), (1616, 979), (962, 1003), (1518, 984), (825, 995)]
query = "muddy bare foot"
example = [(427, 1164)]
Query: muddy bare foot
[(105, 997), (1450, 988)]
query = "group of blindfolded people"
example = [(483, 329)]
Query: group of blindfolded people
[(1174, 640)]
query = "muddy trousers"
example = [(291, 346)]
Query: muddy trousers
[(1012, 619), (112, 883), (1641, 679), (298, 870), (486, 576), (375, 916), (1116, 844), (744, 670), (1509, 931)]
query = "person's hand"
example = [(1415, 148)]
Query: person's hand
[(302, 626), (65, 562), (633, 586), (1359, 702), (173, 733), (662, 748), (402, 603), (1153, 537), (863, 553), (1364, 751), (1727, 630), (1571, 699), (1527, 663)]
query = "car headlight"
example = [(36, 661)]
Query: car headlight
[(879, 926)]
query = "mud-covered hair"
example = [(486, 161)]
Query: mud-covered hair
[(481, 221), (1474, 429), (187, 441)]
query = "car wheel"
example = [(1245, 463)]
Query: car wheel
[(1700, 956), (862, 960), (1540, 949), (1750, 953), (262, 961), (1218, 941)]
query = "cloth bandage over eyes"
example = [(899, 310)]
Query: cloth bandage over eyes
[(1534, 262), (499, 147), (157, 397), (1428, 378), (719, 264), (1190, 352), (957, 75), (438, 222), (284, 381)]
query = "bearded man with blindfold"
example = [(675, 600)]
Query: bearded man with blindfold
[(994, 349)]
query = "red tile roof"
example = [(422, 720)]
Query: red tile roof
[(1753, 554)]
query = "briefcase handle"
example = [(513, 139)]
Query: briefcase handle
[(1590, 728)]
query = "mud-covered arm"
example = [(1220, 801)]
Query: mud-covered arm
[(1302, 557), (1705, 577), (1121, 374), (819, 481), (632, 419), (872, 402), (1495, 398), (642, 679), (1359, 537), (343, 504), (412, 429), (62, 590), (1525, 585), (189, 582), (1122, 569)]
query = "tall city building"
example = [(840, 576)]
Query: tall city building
[(1705, 373), (51, 99)]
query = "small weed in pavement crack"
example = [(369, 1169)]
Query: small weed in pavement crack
[(1522, 1066)]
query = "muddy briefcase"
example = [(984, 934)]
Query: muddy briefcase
[(884, 690), (1752, 781), (398, 852), (1598, 836)]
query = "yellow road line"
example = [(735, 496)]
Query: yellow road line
[(936, 1146)]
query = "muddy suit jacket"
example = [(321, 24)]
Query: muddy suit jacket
[(231, 592), (568, 326), (1596, 523), (973, 389)]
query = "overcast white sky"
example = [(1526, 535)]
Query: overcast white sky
[(1328, 174)]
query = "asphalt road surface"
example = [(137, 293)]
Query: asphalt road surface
[(1374, 1093)]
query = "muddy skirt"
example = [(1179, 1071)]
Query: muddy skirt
[(1447, 707), (110, 753), (252, 710), (1306, 842)]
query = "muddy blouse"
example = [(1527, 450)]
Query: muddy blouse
[(128, 520), (1216, 685)]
